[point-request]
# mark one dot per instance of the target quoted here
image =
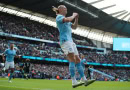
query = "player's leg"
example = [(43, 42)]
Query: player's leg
[(91, 75), (1, 67), (71, 58), (80, 69), (7, 65), (88, 76), (27, 73), (12, 70), (26, 76), (78, 64), (22, 72), (69, 51), (11, 74)]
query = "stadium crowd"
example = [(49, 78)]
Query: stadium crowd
[(108, 58), (42, 50), (119, 73), (52, 71), (25, 27)]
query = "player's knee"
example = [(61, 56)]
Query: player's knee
[(77, 60), (71, 57), (73, 60), (12, 70)]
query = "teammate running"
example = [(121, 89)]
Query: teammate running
[(9, 64), (83, 61)]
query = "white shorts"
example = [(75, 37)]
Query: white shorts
[(9, 65), (91, 73), (69, 47)]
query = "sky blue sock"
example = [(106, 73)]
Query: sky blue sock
[(10, 77), (22, 75), (80, 69), (72, 69)]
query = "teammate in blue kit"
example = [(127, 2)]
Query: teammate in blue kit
[(83, 61), (89, 71), (9, 61)]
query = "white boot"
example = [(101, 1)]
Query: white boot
[(84, 80), (10, 81), (75, 83)]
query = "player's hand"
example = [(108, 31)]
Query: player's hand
[(19, 56), (3, 59), (75, 14)]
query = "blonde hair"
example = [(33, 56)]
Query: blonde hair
[(55, 10)]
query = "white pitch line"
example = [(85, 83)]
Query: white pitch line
[(3, 80), (26, 88)]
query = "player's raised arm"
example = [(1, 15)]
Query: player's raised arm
[(75, 24), (71, 18)]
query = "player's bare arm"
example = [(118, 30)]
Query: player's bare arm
[(75, 24)]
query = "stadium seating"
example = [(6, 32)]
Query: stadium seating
[(25, 27)]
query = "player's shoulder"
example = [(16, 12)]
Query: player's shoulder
[(84, 60), (59, 16), (14, 50), (7, 50)]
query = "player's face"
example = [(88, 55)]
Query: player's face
[(63, 9), (11, 46), (82, 56)]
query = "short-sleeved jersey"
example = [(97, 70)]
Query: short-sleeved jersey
[(64, 29), (83, 63), (10, 54)]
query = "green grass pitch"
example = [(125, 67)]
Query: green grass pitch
[(40, 84)]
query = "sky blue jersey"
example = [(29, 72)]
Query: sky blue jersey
[(83, 61), (64, 29), (10, 54)]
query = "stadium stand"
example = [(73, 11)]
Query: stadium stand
[(22, 26), (46, 51)]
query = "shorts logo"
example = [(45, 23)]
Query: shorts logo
[(70, 49)]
